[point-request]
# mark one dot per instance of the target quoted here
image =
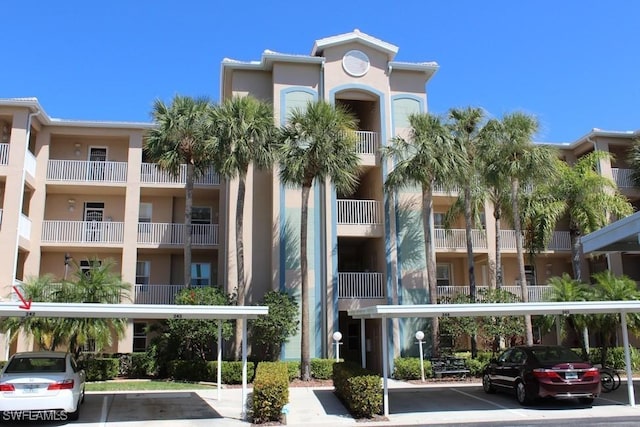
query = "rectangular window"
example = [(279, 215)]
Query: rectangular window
[(143, 269), (86, 265), (144, 215), (200, 274), (139, 336), (438, 220), (443, 274), (201, 215)]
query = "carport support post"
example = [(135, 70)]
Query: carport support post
[(219, 366), (244, 368), (385, 368), (627, 359), (363, 344)]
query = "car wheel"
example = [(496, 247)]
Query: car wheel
[(523, 396), (486, 384), (586, 400), (73, 416)]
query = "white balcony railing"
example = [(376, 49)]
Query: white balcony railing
[(30, 163), (359, 212), (93, 232), (622, 177), (4, 154), (82, 170), (456, 239), (536, 293), (160, 233), (152, 174), (360, 285), (155, 294), (560, 241), (24, 226), (366, 142)]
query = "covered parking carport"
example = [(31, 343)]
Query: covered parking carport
[(151, 311), (386, 312)]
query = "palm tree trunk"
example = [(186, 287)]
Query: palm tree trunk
[(188, 230), (520, 251), (575, 253), (241, 290), (305, 357), (499, 280), (470, 262), (430, 255)]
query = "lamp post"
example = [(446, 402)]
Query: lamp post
[(337, 336), (420, 338)]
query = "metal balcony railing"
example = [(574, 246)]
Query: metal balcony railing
[(456, 239), (359, 212), (151, 173), (86, 171), (366, 142), (560, 241), (160, 233), (360, 285), (536, 293), (92, 232), (622, 177), (4, 154)]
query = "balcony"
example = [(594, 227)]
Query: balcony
[(560, 241), (82, 232), (359, 218), (367, 147), (536, 293), (457, 239), (156, 294), (4, 154), (622, 177), (24, 227), (159, 233), (152, 174), (360, 285), (86, 171)]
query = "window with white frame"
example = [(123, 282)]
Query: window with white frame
[(200, 274), (143, 269), (145, 212), (443, 274), (139, 336)]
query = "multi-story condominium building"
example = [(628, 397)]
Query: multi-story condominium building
[(85, 189)]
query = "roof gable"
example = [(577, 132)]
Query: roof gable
[(354, 36)]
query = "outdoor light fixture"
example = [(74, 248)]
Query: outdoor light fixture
[(71, 204), (337, 336), (420, 338)]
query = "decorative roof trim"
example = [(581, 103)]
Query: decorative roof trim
[(355, 35)]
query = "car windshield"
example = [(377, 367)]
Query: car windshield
[(556, 354), (21, 365)]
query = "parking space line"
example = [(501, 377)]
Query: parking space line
[(514, 411), (103, 415)]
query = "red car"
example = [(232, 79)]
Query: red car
[(533, 372)]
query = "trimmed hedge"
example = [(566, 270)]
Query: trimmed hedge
[(100, 368), (270, 391), (231, 372), (294, 370), (359, 389), (408, 368), (321, 369), (188, 370)]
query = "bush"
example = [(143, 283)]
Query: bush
[(359, 389), (231, 372), (270, 391), (408, 368), (188, 370), (100, 368), (141, 365), (475, 366), (321, 369), (615, 357), (294, 370)]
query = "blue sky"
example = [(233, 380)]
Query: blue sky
[(574, 64)]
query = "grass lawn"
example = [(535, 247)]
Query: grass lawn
[(145, 385)]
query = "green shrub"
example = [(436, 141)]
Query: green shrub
[(322, 369), (359, 389), (141, 365), (408, 368), (100, 368), (231, 372), (294, 370), (615, 357), (270, 391), (188, 370), (475, 366)]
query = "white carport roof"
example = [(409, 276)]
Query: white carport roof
[(494, 309), (149, 311), (620, 236)]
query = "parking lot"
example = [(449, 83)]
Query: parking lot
[(410, 404)]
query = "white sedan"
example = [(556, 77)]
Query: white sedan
[(36, 382)]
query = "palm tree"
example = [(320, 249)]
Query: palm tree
[(317, 143), (244, 132), (633, 158), (520, 160), (608, 287), (179, 137), (589, 199), (426, 157)]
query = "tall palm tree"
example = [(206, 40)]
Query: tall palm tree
[(589, 199), (317, 143), (244, 132), (520, 160), (633, 158), (427, 156), (178, 138)]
